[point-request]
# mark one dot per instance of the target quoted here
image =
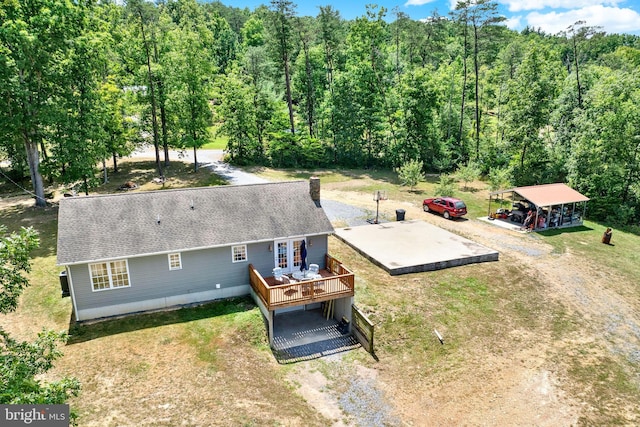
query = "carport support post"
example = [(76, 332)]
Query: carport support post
[(489, 209)]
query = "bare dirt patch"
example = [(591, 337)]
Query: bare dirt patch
[(553, 340), (522, 376)]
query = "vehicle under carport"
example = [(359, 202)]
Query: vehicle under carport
[(555, 205)]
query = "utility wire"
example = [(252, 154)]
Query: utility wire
[(21, 187)]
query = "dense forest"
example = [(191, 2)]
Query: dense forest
[(85, 82)]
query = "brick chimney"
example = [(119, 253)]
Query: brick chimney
[(314, 189)]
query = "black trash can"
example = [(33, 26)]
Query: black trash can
[(64, 284), (399, 214)]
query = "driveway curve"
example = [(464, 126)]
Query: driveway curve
[(211, 159), (336, 211)]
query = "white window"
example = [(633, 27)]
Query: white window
[(109, 275), (175, 262), (239, 253)]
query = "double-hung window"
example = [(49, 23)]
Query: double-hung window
[(109, 275)]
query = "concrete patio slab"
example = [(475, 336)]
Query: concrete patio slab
[(306, 334), (413, 246), (504, 223)]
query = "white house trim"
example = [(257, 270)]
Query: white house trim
[(161, 303)]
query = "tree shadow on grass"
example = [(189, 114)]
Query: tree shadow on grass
[(43, 220), (381, 175), (84, 331), (558, 231), (178, 174)]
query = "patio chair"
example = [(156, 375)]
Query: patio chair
[(313, 268), (277, 274)]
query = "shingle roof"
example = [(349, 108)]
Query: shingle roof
[(126, 225), (547, 194)]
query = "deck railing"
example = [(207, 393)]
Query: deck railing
[(337, 283)]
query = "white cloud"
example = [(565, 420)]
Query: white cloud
[(611, 19), (514, 22), (417, 2), (520, 5)]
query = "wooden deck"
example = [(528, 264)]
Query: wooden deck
[(336, 282)]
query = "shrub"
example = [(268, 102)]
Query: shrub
[(410, 173)]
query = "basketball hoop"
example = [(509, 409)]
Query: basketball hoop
[(379, 195)]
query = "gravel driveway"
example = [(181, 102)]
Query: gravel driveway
[(336, 211), (211, 159)]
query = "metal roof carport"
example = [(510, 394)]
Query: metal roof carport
[(557, 196)]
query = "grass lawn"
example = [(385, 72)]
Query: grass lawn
[(211, 365), (217, 142)]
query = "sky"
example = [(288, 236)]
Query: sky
[(551, 16)]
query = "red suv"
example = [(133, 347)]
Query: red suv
[(446, 206)]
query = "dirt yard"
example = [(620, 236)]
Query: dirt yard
[(557, 344), (523, 376)]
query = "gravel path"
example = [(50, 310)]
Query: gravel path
[(211, 159), (609, 316), (350, 215), (337, 212)]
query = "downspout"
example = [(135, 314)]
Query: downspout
[(73, 294)]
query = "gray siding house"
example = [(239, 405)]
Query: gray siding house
[(135, 252)]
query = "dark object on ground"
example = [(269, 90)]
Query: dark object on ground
[(606, 237), (343, 326), (129, 185), (400, 214)]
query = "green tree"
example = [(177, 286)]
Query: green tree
[(499, 179), (265, 100), (446, 186), (190, 80), (223, 47), (80, 139), (577, 34), (420, 98), (248, 111), (482, 16), (308, 76), (332, 34), (424, 41), (253, 32), (14, 262), (532, 92), (410, 173), (143, 18), (23, 363), (236, 112), (604, 159), (361, 107), (34, 47), (282, 31), (468, 173), (118, 128)]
